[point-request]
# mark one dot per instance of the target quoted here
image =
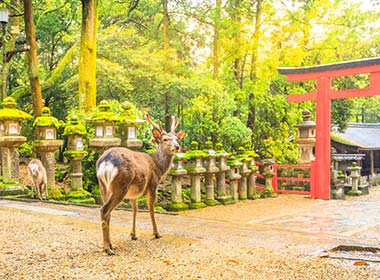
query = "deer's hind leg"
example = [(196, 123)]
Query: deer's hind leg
[(151, 198), (110, 202), (134, 208)]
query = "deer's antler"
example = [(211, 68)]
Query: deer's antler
[(156, 126), (175, 124)]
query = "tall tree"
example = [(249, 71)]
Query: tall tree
[(87, 57), (215, 45), (32, 58)]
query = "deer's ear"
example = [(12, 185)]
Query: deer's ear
[(181, 134), (156, 134)]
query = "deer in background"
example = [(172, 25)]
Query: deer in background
[(123, 173), (38, 178)]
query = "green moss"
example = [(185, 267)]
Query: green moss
[(267, 193), (56, 194), (74, 128), (197, 205), (212, 202), (9, 111), (72, 154), (341, 140), (104, 113), (176, 207), (80, 196), (46, 119), (354, 193)]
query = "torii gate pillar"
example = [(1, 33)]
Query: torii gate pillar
[(323, 74)]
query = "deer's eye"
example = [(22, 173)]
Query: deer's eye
[(165, 139)]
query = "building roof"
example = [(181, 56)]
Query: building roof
[(366, 136)]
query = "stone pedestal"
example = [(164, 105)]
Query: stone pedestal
[(243, 181), (46, 149), (177, 172), (234, 176), (195, 169), (221, 162), (76, 175), (211, 170), (10, 157)]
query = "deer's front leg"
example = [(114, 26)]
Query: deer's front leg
[(151, 198), (134, 208)]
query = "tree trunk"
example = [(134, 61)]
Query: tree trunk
[(253, 70), (32, 58), (166, 24), (215, 50), (87, 56)]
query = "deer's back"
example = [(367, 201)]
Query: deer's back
[(123, 168)]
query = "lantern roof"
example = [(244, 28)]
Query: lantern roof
[(10, 112), (74, 127), (46, 119)]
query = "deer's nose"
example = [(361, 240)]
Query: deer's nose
[(177, 147)]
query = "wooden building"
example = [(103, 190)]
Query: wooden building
[(360, 138)]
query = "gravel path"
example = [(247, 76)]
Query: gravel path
[(44, 246)]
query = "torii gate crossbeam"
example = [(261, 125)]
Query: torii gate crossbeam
[(323, 74)]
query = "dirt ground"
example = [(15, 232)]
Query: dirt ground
[(47, 246)]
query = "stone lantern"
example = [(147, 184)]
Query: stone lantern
[(46, 144), (128, 124), (250, 157), (355, 175), (11, 139), (268, 174), (75, 153), (244, 172), (306, 138), (234, 176), (195, 168), (211, 170), (221, 163), (104, 124), (177, 171)]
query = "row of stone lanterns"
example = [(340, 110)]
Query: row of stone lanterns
[(240, 169), (46, 142)]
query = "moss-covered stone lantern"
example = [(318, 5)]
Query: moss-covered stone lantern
[(221, 163), (211, 170), (75, 133), (354, 175), (195, 168), (11, 139), (128, 124), (244, 172), (46, 144), (104, 121), (177, 171), (250, 156), (234, 176), (306, 137), (268, 174)]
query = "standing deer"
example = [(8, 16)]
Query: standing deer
[(37, 175), (123, 173)]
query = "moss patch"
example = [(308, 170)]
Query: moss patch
[(212, 202), (80, 196), (197, 205), (176, 207), (56, 194)]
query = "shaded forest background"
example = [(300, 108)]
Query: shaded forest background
[(211, 62)]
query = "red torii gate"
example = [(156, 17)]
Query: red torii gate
[(320, 181)]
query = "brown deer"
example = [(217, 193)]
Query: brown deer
[(123, 173), (38, 178)]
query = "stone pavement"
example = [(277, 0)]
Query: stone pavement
[(288, 223)]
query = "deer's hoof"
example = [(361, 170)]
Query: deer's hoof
[(109, 251), (133, 236), (157, 235)]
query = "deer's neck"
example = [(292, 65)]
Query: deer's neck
[(162, 160)]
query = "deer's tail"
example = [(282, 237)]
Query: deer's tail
[(106, 173)]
